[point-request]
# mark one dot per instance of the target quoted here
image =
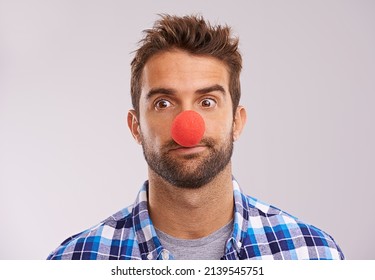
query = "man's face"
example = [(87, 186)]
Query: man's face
[(173, 82)]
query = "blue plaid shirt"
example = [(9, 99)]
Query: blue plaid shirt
[(260, 232)]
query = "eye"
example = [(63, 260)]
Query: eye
[(162, 104), (208, 103)]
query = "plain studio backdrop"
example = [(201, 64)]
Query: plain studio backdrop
[(68, 161)]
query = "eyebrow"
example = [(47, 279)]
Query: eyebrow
[(211, 89), (160, 90), (169, 91)]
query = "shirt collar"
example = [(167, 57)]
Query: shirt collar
[(148, 242), (240, 219)]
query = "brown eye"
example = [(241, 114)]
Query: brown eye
[(208, 103), (162, 104)]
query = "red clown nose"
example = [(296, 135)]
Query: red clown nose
[(188, 128)]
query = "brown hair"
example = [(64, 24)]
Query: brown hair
[(193, 35)]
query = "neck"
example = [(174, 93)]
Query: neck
[(191, 213)]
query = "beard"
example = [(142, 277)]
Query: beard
[(192, 170)]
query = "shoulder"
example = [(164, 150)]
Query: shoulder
[(113, 238), (287, 236)]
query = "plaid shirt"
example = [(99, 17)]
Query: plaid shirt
[(260, 232)]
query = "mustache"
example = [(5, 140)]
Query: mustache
[(208, 141)]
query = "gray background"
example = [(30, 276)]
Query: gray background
[(67, 159)]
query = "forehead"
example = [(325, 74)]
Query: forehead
[(183, 71)]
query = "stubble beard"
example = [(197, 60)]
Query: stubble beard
[(189, 171)]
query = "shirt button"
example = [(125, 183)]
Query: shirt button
[(165, 255), (149, 256)]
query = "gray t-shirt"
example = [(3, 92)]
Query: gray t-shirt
[(210, 247)]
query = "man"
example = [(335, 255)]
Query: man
[(187, 71)]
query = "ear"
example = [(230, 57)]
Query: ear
[(134, 127), (239, 122)]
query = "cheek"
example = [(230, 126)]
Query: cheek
[(155, 131), (219, 128)]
